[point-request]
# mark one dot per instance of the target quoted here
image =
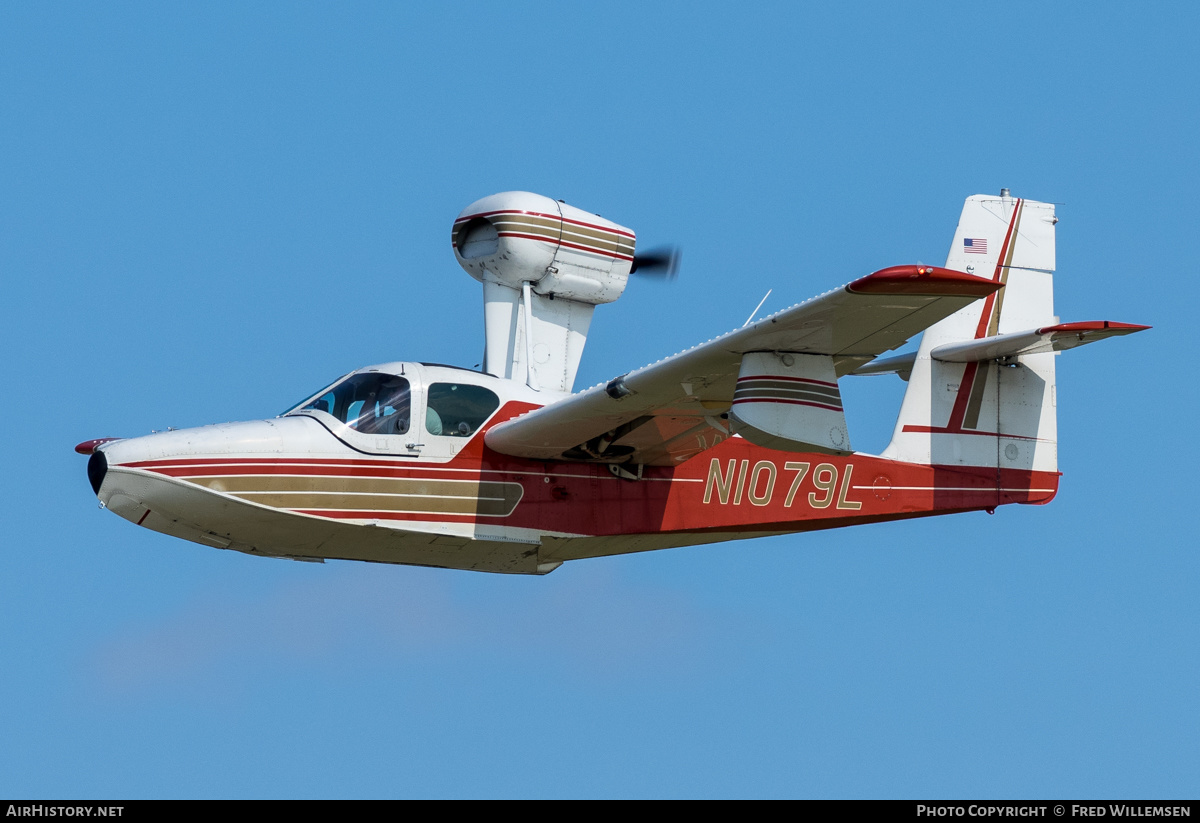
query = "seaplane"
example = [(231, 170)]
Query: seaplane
[(508, 469)]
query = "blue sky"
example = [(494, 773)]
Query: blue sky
[(209, 211)]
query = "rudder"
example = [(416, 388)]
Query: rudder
[(989, 413)]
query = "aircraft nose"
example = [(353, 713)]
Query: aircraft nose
[(96, 469)]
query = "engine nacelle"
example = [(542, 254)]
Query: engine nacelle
[(517, 237)]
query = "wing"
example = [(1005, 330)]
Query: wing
[(666, 412)]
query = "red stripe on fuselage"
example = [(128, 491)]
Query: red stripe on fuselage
[(585, 499), (314, 471), (270, 461)]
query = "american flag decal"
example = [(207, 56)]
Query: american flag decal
[(975, 245)]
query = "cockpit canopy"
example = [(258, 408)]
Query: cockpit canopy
[(370, 403), (378, 402)]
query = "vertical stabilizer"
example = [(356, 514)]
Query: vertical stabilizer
[(994, 413)]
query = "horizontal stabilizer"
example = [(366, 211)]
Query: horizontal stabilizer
[(1035, 341), (901, 364)]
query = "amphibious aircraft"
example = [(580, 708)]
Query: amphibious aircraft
[(507, 469)]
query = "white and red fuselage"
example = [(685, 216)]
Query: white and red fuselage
[(508, 470), (306, 485)]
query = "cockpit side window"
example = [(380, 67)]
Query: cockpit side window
[(457, 409), (371, 403)]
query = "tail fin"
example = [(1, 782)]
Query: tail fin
[(989, 412)]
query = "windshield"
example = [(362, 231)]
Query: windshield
[(295, 407), (371, 403)]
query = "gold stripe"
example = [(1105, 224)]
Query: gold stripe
[(975, 400), (610, 246), (599, 234), (994, 324), (575, 243), (400, 494), (551, 224), (339, 483), (745, 384), (579, 234), (553, 230), (548, 221), (483, 506)]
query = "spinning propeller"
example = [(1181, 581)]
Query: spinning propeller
[(661, 262)]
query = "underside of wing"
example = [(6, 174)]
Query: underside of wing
[(666, 412)]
